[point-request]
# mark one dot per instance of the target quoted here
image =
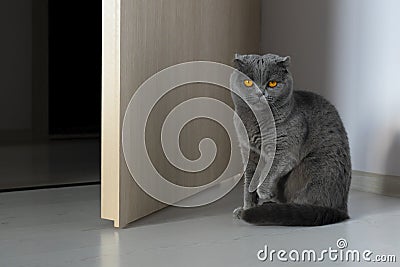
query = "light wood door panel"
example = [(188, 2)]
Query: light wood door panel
[(142, 37)]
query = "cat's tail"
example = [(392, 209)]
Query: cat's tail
[(292, 215)]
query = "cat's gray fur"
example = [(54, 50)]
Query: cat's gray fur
[(309, 179)]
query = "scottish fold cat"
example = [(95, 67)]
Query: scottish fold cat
[(309, 177)]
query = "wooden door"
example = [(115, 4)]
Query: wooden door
[(142, 37)]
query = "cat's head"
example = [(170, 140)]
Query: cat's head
[(269, 72)]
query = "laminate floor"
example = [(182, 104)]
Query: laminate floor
[(62, 227)]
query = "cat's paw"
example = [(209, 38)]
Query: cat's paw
[(266, 194), (237, 213)]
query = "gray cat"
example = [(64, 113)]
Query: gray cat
[(309, 178)]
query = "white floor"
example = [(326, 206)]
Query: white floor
[(61, 227)]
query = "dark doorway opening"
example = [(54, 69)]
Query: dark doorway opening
[(74, 69), (52, 135)]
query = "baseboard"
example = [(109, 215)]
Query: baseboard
[(376, 183)]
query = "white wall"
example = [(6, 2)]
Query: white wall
[(348, 51), (15, 64)]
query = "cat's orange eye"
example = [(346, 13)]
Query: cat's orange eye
[(272, 84), (248, 83)]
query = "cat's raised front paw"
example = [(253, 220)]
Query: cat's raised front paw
[(237, 213)]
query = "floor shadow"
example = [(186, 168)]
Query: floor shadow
[(224, 205)]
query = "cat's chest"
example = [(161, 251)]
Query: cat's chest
[(291, 133), (255, 138), (248, 136)]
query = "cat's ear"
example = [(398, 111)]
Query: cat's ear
[(239, 61), (284, 62)]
